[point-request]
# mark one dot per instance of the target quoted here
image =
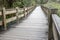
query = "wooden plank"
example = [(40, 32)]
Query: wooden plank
[(29, 29), (55, 21), (13, 11), (25, 8), (0, 23), (20, 10), (0, 13), (10, 12), (4, 18), (10, 19), (24, 11), (55, 32), (17, 13), (22, 15)]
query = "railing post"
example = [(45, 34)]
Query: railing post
[(17, 14), (55, 32), (50, 25), (52, 11), (24, 12), (27, 11), (4, 18)]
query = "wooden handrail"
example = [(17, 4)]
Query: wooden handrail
[(54, 31), (15, 11), (56, 26)]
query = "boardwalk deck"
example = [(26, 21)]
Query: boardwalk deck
[(35, 27)]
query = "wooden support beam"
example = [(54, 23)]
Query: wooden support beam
[(17, 14), (4, 18), (24, 12), (52, 11)]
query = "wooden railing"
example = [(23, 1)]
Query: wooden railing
[(15, 14), (54, 23), (56, 26)]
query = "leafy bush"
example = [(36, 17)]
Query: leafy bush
[(19, 4), (54, 5)]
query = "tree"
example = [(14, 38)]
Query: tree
[(15, 3), (10, 2)]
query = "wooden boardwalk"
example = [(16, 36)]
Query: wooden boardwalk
[(34, 27)]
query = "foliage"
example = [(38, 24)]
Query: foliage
[(43, 1), (18, 3), (15, 3), (22, 3), (54, 5)]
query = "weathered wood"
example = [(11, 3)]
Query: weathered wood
[(49, 12), (25, 12), (1, 22), (13, 11), (54, 32), (54, 28), (4, 18), (10, 12), (56, 21), (17, 14), (16, 11), (50, 25), (52, 11), (10, 19), (20, 16), (33, 28), (0, 13)]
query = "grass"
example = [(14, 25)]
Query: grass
[(54, 5)]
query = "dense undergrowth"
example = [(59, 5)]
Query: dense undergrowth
[(54, 5)]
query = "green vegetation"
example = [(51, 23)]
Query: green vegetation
[(20, 3), (43, 1), (53, 5), (15, 3), (23, 3)]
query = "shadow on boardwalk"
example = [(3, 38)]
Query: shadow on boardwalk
[(34, 27)]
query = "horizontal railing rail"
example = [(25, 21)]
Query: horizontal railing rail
[(14, 14), (54, 25)]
